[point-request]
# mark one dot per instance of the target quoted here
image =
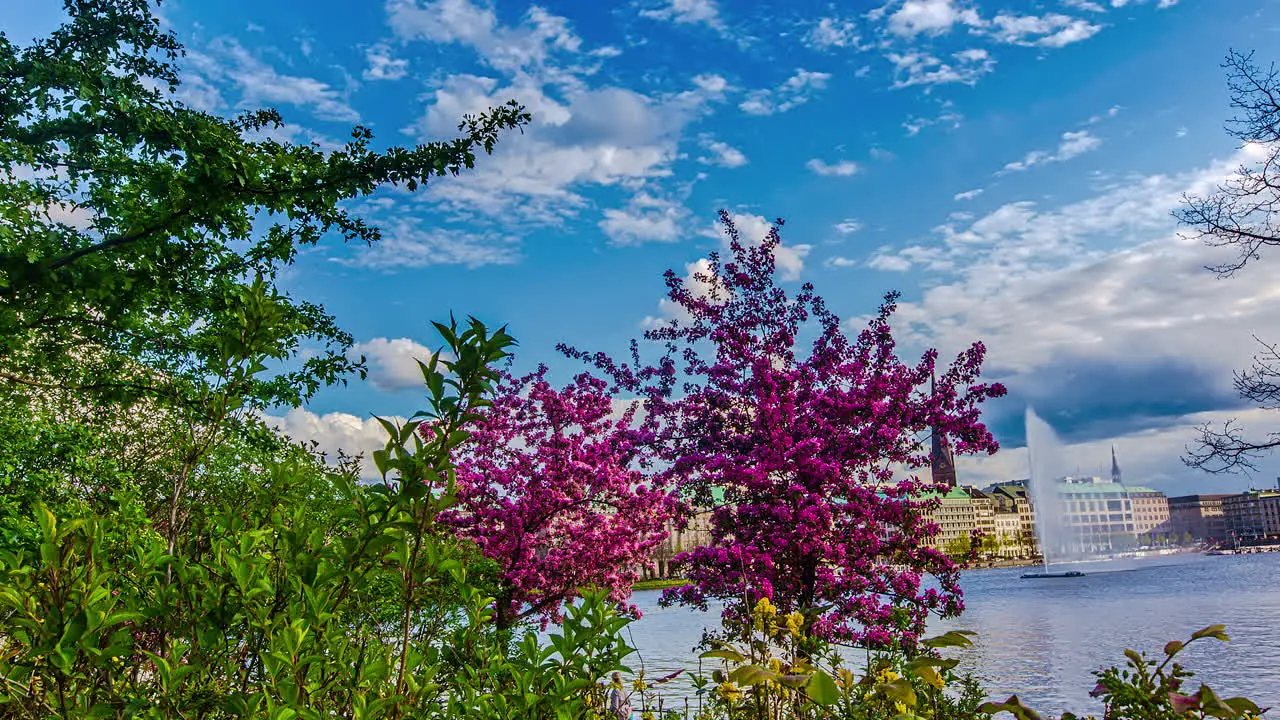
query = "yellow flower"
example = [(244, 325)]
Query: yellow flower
[(764, 607), (795, 623), (729, 691), (887, 676), (845, 678), (775, 665), (900, 707)]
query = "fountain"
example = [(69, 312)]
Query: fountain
[(1044, 455)]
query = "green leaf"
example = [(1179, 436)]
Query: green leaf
[(822, 689), (1213, 631), (1243, 705), (1013, 706), (953, 638), (899, 690), (748, 675)]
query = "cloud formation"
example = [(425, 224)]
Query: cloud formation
[(393, 362), (840, 168), (1070, 318), (1073, 144), (795, 91)]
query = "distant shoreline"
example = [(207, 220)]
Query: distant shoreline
[(662, 584)]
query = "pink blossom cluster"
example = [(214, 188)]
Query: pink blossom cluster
[(803, 446), (549, 488)]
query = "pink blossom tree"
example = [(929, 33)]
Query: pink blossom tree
[(549, 488), (804, 447)]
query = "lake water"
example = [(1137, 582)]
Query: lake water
[(1041, 639)]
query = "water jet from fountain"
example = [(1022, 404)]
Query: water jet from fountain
[(1046, 460)]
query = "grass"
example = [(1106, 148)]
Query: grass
[(658, 584)]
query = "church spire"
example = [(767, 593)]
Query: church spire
[(1115, 467), (942, 465)]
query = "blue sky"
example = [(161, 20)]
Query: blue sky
[(1009, 166)]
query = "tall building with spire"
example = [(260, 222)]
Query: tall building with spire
[(942, 465), (1115, 468)]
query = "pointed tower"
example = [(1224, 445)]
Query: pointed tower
[(1115, 468), (942, 465)]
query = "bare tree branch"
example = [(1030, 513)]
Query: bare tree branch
[(1226, 450), (1243, 213)]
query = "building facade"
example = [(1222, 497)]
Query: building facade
[(1199, 516), (1009, 534), (1151, 515), (1252, 516), (1012, 502), (1102, 515), (955, 517)]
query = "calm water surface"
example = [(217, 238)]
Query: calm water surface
[(1042, 638)]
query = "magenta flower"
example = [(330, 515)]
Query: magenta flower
[(801, 444), (549, 487)]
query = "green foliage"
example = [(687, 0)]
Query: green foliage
[(775, 669), (153, 231), (140, 241), (1148, 689), (272, 607)]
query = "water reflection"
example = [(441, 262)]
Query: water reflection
[(1042, 638)]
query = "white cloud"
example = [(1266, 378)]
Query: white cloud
[(382, 65), (889, 262), (692, 12), (1053, 30), (393, 363), (1110, 113), (1040, 284), (721, 154), (580, 136), (920, 68), (335, 431), (409, 241), (531, 45), (968, 194), (711, 84), (797, 90), (833, 33), (842, 168), (645, 219), (837, 261), (1072, 144), (1088, 5), (1180, 132), (199, 93), (260, 85), (608, 136), (932, 17), (948, 117), (848, 226)]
